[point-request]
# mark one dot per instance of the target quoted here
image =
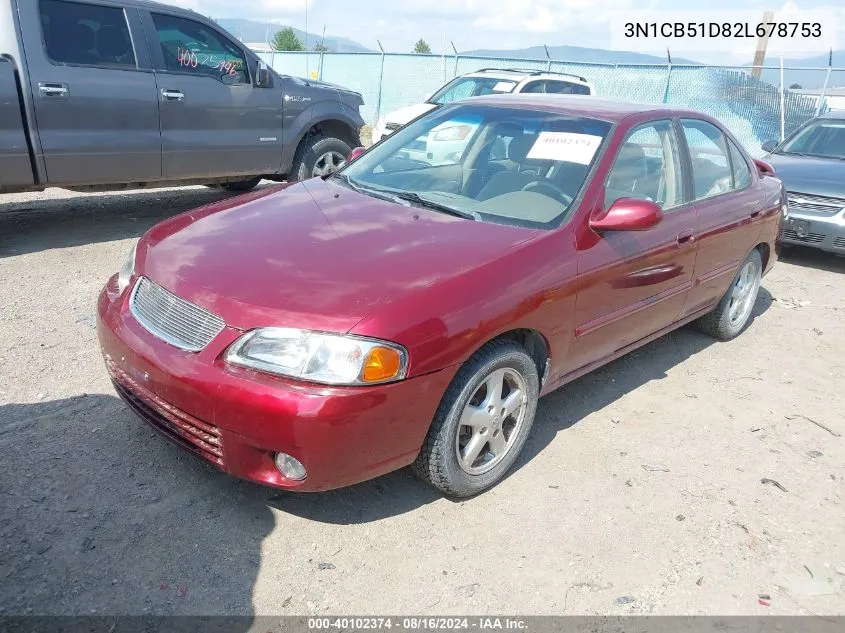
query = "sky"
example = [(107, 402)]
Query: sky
[(495, 24)]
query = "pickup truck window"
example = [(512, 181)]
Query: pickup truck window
[(86, 34), (195, 48)]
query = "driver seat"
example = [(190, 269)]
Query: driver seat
[(503, 182)]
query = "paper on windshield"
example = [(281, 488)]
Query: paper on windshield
[(568, 146), (504, 86)]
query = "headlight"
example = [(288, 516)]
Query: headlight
[(331, 359), (453, 133), (126, 270)]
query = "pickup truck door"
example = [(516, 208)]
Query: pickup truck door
[(214, 121), (93, 90)]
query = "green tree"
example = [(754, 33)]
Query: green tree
[(286, 40), (422, 47), (321, 48)]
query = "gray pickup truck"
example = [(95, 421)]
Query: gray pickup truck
[(125, 94)]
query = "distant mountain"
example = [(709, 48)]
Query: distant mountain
[(809, 79), (578, 54), (254, 32)]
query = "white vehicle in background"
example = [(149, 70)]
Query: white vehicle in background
[(438, 148)]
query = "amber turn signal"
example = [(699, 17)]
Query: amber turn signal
[(381, 363)]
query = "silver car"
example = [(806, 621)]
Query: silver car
[(811, 164)]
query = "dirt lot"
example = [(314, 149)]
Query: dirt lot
[(639, 491)]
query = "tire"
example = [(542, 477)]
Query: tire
[(240, 186), (728, 319), (468, 399), (318, 155)]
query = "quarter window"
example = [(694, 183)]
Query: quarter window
[(741, 172), (647, 167), (86, 34), (711, 169), (192, 47)]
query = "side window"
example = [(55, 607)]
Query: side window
[(86, 34), (566, 88), (193, 47), (711, 169), (534, 87), (741, 172), (647, 167)]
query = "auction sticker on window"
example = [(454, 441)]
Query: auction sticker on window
[(504, 86), (568, 146)]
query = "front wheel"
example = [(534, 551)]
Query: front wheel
[(319, 156), (733, 312), (482, 422)]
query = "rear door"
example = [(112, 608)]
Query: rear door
[(635, 283), (93, 90), (729, 204), (214, 122)]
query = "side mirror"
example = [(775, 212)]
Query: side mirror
[(355, 153), (769, 146), (263, 77), (628, 214), (764, 168)]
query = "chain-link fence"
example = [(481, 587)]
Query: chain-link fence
[(755, 110)]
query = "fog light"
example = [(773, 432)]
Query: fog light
[(290, 467)]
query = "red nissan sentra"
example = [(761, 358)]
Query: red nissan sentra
[(405, 310)]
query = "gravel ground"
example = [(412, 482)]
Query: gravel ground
[(639, 491)]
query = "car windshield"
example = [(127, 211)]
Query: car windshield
[(464, 87), (488, 163), (824, 138)]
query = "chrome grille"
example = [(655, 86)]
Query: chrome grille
[(810, 238), (815, 204), (173, 320)]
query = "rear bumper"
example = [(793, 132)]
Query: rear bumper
[(825, 233), (238, 419)]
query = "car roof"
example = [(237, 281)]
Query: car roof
[(158, 6), (525, 73), (612, 110)]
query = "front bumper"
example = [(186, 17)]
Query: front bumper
[(237, 419), (825, 233)]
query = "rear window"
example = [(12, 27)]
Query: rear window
[(86, 34)]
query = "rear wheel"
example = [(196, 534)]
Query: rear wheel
[(319, 156), (482, 422), (733, 312)]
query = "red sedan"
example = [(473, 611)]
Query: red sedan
[(406, 310)]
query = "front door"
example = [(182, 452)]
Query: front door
[(94, 92), (214, 122), (634, 283)]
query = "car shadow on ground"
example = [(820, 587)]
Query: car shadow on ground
[(45, 222), (813, 258), (400, 492), (101, 515)]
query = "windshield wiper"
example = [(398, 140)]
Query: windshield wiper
[(412, 196), (365, 189)]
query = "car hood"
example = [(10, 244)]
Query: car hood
[(806, 174), (409, 113), (313, 255)]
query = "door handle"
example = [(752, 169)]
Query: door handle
[(686, 237), (53, 90), (172, 95)]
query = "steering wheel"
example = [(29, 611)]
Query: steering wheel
[(556, 192)]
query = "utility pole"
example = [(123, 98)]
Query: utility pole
[(762, 44)]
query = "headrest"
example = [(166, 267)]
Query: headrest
[(113, 41)]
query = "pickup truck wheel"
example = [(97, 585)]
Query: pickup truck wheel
[(733, 312), (482, 422), (319, 156), (239, 186)]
